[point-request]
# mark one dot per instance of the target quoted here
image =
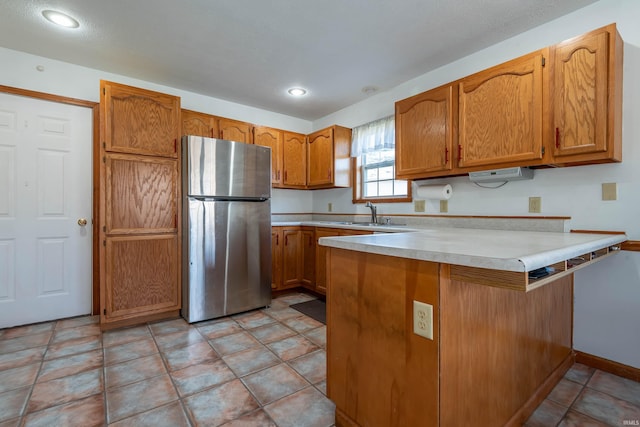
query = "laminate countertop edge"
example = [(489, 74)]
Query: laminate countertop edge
[(519, 251)]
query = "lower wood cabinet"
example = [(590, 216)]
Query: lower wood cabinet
[(298, 260)]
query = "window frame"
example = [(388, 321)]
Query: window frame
[(357, 179)]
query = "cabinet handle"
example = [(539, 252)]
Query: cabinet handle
[(212, 135), (175, 145), (459, 152), (310, 241), (557, 137), (446, 155), (277, 238), (286, 240), (285, 175)]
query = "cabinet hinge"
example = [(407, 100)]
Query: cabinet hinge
[(104, 311), (543, 61), (104, 145), (104, 159), (104, 243), (104, 228), (104, 91)]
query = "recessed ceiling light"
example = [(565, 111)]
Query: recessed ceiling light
[(297, 91), (60, 19)]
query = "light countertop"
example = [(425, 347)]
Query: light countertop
[(520, 251)]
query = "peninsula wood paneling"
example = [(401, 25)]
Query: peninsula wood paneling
[(498, 346), (379, 373)]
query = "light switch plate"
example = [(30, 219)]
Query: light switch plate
[(609, 191)]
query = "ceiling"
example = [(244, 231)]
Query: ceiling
[(252, 51)]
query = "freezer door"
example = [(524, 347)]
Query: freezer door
[(225, 169), (227, 251)]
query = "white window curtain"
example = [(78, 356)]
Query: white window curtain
[(375, 136)]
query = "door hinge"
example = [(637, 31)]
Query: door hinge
[(543, 61)]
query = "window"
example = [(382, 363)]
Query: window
[(373, 151)]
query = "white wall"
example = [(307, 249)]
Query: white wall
[(60, 78), (607, 294)]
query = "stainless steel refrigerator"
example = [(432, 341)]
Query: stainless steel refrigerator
[(226, 190)]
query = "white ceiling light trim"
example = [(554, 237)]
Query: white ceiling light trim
[(297, 91), (60, 18)]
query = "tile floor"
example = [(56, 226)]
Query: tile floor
[(263, 368)]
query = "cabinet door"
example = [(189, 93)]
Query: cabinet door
[(321, 259), (501, 114), (141, 276), (199, 124), (424, 133), (276, 257), (141, 194), (584, 82), (140, 121), (320, 158), (294, 160), (291, 257), (234, 130), (271, 138), (308, 258)]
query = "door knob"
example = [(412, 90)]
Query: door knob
[(82, 222)]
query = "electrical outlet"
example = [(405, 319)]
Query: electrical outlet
[(329, 207), (423, 319), (444, 206), (418, 205), (609, 191), (535, 204)]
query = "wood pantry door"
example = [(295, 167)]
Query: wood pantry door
[(45, 194)]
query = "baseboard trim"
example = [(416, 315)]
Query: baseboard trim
[(609, 366), (523, 414)]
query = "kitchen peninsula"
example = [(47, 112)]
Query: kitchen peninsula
[(502, 310)]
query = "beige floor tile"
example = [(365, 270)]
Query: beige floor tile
[(131, 350), (179, 358), (290, 348), (171, 414), (274, 383), (65, 366), (66, 389), (87, 412), (132, 399), (295, 410), (11, 379), (221, 404), (133, 371), (196, 378)]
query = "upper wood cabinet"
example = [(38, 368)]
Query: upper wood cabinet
[(328, 158), (587, 97), (294, 160), (501, 113), (425, 124), (199, 124), (234, 130), (139, 121), (272, 138)]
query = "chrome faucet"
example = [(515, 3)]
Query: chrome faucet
[(374, 212)]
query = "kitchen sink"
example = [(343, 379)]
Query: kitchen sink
[(365, 223)]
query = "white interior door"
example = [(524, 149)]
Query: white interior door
[(45, 192)]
